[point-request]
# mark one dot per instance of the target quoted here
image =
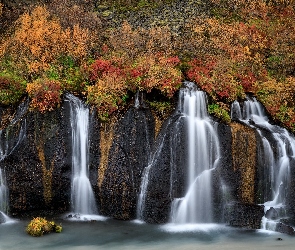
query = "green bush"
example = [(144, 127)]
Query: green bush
[(12, 88), (219, 112)]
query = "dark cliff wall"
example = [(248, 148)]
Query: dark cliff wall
[(127, 157), (38, 169), (242, 211), (166, 176)]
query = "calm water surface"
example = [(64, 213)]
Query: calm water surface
[(112, 234)]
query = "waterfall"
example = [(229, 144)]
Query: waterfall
[(10, 138), (3, 193), (203, 154), (181, 165), (276, 163), (82, 196), (145, 181)]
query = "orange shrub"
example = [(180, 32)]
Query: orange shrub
[(107, 94), (278, 98), (155, 72), (39, 40)]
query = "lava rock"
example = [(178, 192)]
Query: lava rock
[(37, 166), (128, 156), (272, 214), (244, 215), (283, 228)]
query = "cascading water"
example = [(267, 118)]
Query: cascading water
[(276, 164), (203, 155), (10, 138), (3, 193), (82, 196), (3, 198), (182, 163)]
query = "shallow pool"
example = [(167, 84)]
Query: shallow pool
[(113, 234)]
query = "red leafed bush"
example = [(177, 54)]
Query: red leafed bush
[(45, 94)]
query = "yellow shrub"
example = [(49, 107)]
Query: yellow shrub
[(39, 40), (39, 226)]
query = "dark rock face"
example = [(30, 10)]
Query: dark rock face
[(224, 177), (38, 169), (283, 228), (166, 176), (271, 214), (128, 156), (94, 151), (244, 215), (290, 201)]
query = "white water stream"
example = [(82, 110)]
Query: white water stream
[(202, 149), (82, 196), (10, 138), (277, 164), (203, 154)]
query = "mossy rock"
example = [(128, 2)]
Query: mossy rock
[(39, 226), (107, 14)]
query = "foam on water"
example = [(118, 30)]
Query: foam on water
[(192, 227)]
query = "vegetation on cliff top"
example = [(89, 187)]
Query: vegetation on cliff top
[(242, 47)]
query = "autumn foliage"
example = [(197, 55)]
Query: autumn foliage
[(39, 226), (45, 94), (242, 47), (11, 88), (249, 49), (113, 78)]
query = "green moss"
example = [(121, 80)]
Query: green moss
[(160, 107), (219, 112), (12, 88), (70, 74), (122, 6)]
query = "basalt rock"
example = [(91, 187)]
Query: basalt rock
[(283, 228), (128, 156), (166, 175), (290, 201), (244, 215), (224, 177), (38, 168), (271, 214)]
